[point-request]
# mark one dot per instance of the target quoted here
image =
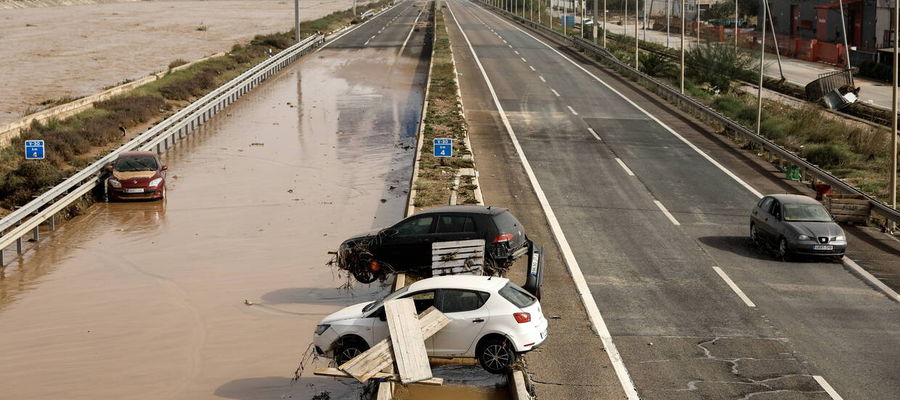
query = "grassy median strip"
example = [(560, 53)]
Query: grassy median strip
[(443, 119), (76, 142)]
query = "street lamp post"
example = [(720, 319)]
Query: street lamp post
[(297, 20), (636, 40), (893, 181), (594, 25), (762, 62), (604, 23), (682, 45)]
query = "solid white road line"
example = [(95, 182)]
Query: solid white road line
[(572, 110), (595, 134), (584, 292), (828, 389), (542, 79), (555, 92), (871, 279), (619, 160), (666, 212), (651, 116), (411, 29), (734, 287)]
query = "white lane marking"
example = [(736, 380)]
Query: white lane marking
[(595, 134), (523, 59), (510, 46), (621, 163), (672, 131), (411, 29), (367, 42), (516, 51), (734, 287), (542, 79), (871, 279), (357, 27), (828, 389), (667, 213), (584, 292), (555, 92), (532, 68), (572, 110)]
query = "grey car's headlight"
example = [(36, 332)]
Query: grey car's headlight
[(839, 238), (320, 329), (804, 237)]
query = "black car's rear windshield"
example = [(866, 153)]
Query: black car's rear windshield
[(129, 164), (516, 295), (507, 223)]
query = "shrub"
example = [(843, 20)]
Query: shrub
[(656, 65), (185, 89), (875, 70), (717, 64), (177, 63), (826, 155)]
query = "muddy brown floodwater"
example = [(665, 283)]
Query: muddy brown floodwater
[(147, 300)]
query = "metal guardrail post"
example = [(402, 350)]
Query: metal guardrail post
[(36, 234), (53, 223), (19, 245)]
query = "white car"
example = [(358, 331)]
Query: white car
[(492, 320)]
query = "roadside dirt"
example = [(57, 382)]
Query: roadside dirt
[(73, 51)]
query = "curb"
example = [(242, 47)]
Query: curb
[(420, 137), (869, 279)]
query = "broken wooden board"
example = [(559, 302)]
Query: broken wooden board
[(407, 341), (364, 366), (385, 391), (457, 257), (336, 373), (848, 208)]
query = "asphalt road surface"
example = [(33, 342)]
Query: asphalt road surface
[(659, 232), (147, 300)]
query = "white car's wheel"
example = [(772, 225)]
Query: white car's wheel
[(496, 355)]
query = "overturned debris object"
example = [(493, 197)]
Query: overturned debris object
[(407, 342), (366, 365)]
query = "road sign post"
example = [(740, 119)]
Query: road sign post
[(34, 149), (443, 147)]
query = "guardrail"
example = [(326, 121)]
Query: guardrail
[(28, 218), (811, 172)]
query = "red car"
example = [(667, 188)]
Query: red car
[(136, 175)]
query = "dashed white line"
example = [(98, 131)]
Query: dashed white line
[(555, 92), (735, 287), (651, 116), (410, 32), (622, 164), (532, 68), (828, 389), (516, 51), (581, 285), (667, 213), (595, 134), (542, 79), (572, 110), (523, 59), (510, 46)]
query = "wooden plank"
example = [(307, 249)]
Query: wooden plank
[(336, 373), (366, 365), (410, 354), (458, 243), (385, 391)]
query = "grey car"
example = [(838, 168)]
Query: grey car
[(796, 224)]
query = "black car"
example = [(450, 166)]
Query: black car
[(406, 246)]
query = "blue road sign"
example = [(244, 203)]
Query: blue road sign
[(34, 149), (443, 147)]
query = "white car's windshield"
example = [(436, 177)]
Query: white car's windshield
[(806, 213), (376, 304)]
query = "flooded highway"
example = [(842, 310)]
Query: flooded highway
[(215, 292)]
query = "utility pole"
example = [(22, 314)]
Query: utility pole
[(604, 23), (594, 25), (668, 20), (846, 45), (625, 21), (682, 45), (736, 16), (583, 16), (354, 8), (762, 62), (778, 51), (636, 40), (893, 183), (697, 4), (297, 20)]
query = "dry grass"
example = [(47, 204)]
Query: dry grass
[(443, 119)]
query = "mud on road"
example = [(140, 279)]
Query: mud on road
[(147, 300)]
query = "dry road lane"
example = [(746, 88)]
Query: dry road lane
[(146, 300), (658, 231)]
